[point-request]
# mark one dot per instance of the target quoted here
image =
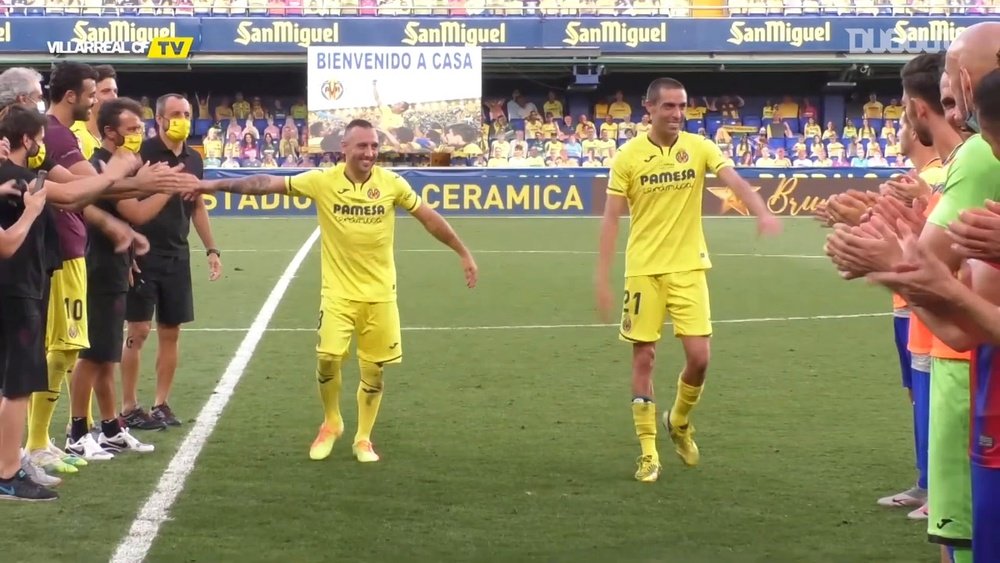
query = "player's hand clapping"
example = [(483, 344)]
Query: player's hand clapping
[(907, 187), (857, 251), (893, 211), (921, 278), (976, 233)]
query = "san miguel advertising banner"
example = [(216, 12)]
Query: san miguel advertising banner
[(181, 37), (567, 192)]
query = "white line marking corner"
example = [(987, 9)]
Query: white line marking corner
[(136, 544)]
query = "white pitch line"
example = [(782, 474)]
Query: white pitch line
[(545, 251), (135, 546), (561, 326)]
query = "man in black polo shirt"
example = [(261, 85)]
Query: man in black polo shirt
[(120, 123), (164, 284)]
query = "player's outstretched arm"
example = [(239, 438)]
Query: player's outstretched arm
[(439, 227), (258, 184), (767, 223), (614, 207)]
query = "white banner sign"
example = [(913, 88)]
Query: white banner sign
[(360, 77)]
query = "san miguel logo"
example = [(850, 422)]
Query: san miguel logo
[(454, 33), (614, 32), (287, 32)]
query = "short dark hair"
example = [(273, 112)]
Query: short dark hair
[(922, 79), (653, 92), (105, 72), (161, 102), (69, 77), (358, 123), (16, 121), (987, 97), (110, 114)]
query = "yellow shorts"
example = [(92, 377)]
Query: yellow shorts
[(376, 324), (649, 299), (67, 320)]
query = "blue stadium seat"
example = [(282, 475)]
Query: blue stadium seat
[(775, 144), (201, 127), (693, 125), (752, 121), (793, 124)]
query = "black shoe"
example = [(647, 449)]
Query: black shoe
[(163, 414), (139, 419), (24, 489)]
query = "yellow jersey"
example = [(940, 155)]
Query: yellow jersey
[(88, 142), (357, 227), (663, 186)]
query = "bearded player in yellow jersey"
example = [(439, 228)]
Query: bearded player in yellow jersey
[(659, 178), (355, 205)]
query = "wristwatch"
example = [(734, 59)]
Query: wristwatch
[(214, 251)]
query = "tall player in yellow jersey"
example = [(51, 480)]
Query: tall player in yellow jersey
[(355, 205), (659, 178)]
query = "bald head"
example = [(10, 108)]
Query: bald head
[(973, 55)]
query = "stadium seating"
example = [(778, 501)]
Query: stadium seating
[(265, 134)]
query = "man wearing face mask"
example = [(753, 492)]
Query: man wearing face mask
[(108, 275), (72, 91), (164, 284), (24, 293)]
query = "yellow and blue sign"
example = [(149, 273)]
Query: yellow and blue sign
[(220, 35), (553, 192)]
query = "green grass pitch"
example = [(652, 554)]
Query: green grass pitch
[(506, 433)]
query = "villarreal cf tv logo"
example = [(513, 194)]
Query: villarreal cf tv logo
[(332, 89), (682, 156), (373, 193)]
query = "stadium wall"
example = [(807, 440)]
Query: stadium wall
[(565, 192)]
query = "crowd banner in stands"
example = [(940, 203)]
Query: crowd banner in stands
[(417, 97), (568, 192), (125, 36)]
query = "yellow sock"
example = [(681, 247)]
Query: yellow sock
[(328, 378), (43, 404), (369, 399), (644, 416), (687, 398)]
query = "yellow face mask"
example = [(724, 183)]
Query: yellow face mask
[(35, 160), (133, 142), (179, 129)]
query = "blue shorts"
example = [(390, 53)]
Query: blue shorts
[(921, 391), (985, 514), (901, 327)]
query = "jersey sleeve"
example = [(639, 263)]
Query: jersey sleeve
[(405, 196), (620, 175), (970, 182), (715, 160), (306, 184), (63, 146)]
